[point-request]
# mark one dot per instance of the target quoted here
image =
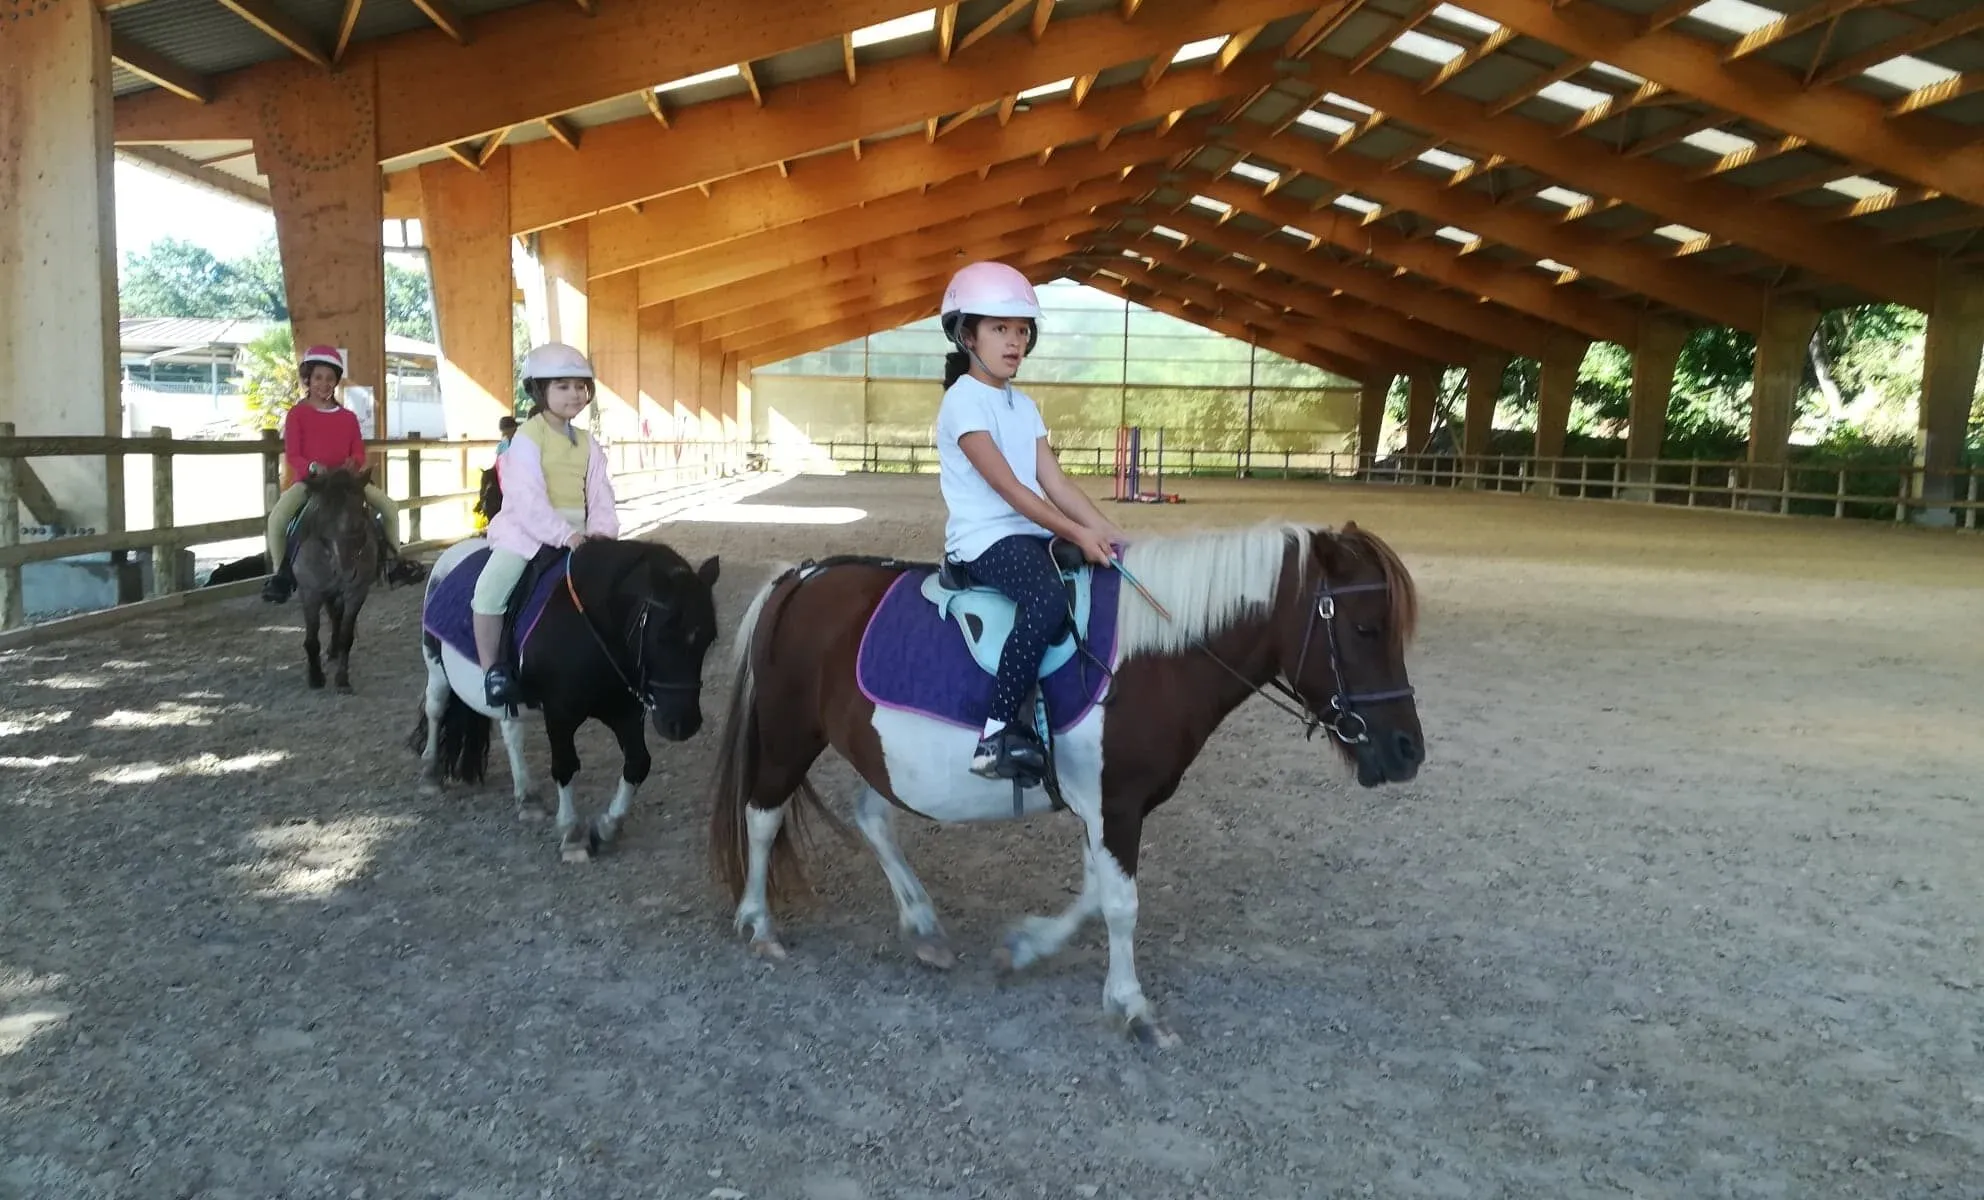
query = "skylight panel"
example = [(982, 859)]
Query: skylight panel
[(1048, 89), (1859, 187), (1909, 73), (1247, 170), (1619, 73), (1301, 234), (1323, 121), (900, 27), (1218, 206), (1167, 231), (1737, 16), (1432, 49), (1680, 233), (1356, 204), (1715, 141), (729, 72), (1572, 95), (1203, 48), (1347, 102), (1563, 196), (1460, 16), (1446, 160), (1453, 233), (1551, 264)]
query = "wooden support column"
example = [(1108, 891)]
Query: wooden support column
[(465, 220), (734, 418), (318, 144), (615, 320), (1422, 399), (688, 379), (1654, 360), (709, 390), (1782, 345), (1484, 391), (657, 338), (1554, 385), (1949, 386), (563, 254), (58, 252), (1371, 416)]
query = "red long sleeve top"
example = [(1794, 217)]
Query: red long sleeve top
[(316, 435)]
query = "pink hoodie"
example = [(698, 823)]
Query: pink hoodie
[(527, 520)]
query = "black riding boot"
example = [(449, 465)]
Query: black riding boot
[(1014, 752)]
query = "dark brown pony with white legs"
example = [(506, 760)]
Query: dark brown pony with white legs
[(1321, 617)]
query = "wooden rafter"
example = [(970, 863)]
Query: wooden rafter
[(1535, 87), (346, 26), (947, 31), (1790, 25), (280, 27), (1043, 12), (847, 56), (1474, 54), (1967, 84), (160, 70), (655, 106), (462, 156), (990, 25), (1077, 94), (445, 18), (491, 146), (1326, 20), (563, 129), (1748, 156), (1908, 43), (750, 76), (200, 174), (1399, 27), (1234, 47)]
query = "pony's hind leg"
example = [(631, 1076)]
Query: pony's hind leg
[(915, 914), (313, 615), (530, 806), (636, 762), (434, 704)]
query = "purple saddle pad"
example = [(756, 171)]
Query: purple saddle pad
[(915, 660), (446, 615)]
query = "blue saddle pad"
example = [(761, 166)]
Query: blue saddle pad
[(445, 613), (915, 659)]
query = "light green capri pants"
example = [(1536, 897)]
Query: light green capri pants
[(504, 568), (296, 496)]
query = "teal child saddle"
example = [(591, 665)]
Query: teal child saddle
[(985, 615)]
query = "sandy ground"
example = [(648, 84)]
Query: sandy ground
[(1685, 903)]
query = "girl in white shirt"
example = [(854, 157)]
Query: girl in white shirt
[(1007, 496)]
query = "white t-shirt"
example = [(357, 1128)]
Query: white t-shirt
[(980, 516)]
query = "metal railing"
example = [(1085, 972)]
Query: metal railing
[(653, 468), (1895, 492)]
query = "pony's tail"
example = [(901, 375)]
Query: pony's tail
[(464, 750), (739, 759)]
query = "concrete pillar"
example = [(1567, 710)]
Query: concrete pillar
[(1484, 391), (563, 255), (1782, 347), (465, 220), (1654, 359), (1371, 416), (1554, 385), (318, 145), (1949, 386), (657, 337), (1421, 401), (615, 325), (58, 263)]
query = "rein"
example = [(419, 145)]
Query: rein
[(636, 633)]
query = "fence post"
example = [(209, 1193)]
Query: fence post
[(271, 472), (1901, 497), (1970, 514), (11, 616), (165, 562), (1784, 491), (413, 493), (1694, 481), (1839, 497)]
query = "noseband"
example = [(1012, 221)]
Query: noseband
[(1343, 721)]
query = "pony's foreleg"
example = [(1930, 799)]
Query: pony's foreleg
[(313, 612), (529, 806), (572, 841), (636, 762), (916, 916), (344, 624), (434, 703), (754, 909), (1113, 848), (1032, 939)]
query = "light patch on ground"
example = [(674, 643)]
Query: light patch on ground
[(205, 764), (165, 715), (313, 859), (32, 722)]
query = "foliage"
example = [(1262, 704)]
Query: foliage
[(175, 278), (268, 376)]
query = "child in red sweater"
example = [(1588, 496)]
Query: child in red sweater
[(319, 434)]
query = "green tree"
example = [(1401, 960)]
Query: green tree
[(175, 278), (268, 375)]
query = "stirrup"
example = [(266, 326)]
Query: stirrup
[(499, 687), (1012, 753)]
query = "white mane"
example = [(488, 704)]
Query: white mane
[(1208, 582)]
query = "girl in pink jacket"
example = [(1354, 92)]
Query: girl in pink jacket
[(556, 492)]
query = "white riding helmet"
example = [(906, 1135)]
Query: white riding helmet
[(989, 289), (330, 356), (556, 360)]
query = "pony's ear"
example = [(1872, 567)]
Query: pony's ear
[(708, 571)]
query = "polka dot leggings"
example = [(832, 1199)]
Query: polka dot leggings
[(1021, 568)]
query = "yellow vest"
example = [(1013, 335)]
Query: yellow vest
[(565, 462)]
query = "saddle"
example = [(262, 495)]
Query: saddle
[(985, 615)]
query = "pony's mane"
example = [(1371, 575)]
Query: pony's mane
[(1209, 581), (1212, 580)]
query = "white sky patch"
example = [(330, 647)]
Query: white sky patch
[(1461, 16), (901, 27), (1194, 51), (1859, 187), (1326, 122), (1218, 206)]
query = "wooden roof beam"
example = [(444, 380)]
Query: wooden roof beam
[(178, 80), (278, 27), (1736, 214), (1523, 289), (347, 25), (198, 174), (1326, 20), (445, 18), (847, 298), (631, 160), (1286, 345), (990, 25), (1043, 12), (947, 31), (1790, 25), (1947, 29), (1932, 153)]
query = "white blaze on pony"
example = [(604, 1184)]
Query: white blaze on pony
[(1323, 617)]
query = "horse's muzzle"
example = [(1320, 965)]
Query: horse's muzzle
[(1389, 756), (677, 726)]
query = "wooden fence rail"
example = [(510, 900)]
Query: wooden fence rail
[(650, 467)]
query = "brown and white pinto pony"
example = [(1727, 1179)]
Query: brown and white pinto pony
[(1322, 616)]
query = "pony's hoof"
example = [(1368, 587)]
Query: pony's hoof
[(1149, 1033), (768, 949), (933, 950), (428, 788), (344, 687), (316, 682), (1015, 953), (604, 833), (531, 810), (576, 846)]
